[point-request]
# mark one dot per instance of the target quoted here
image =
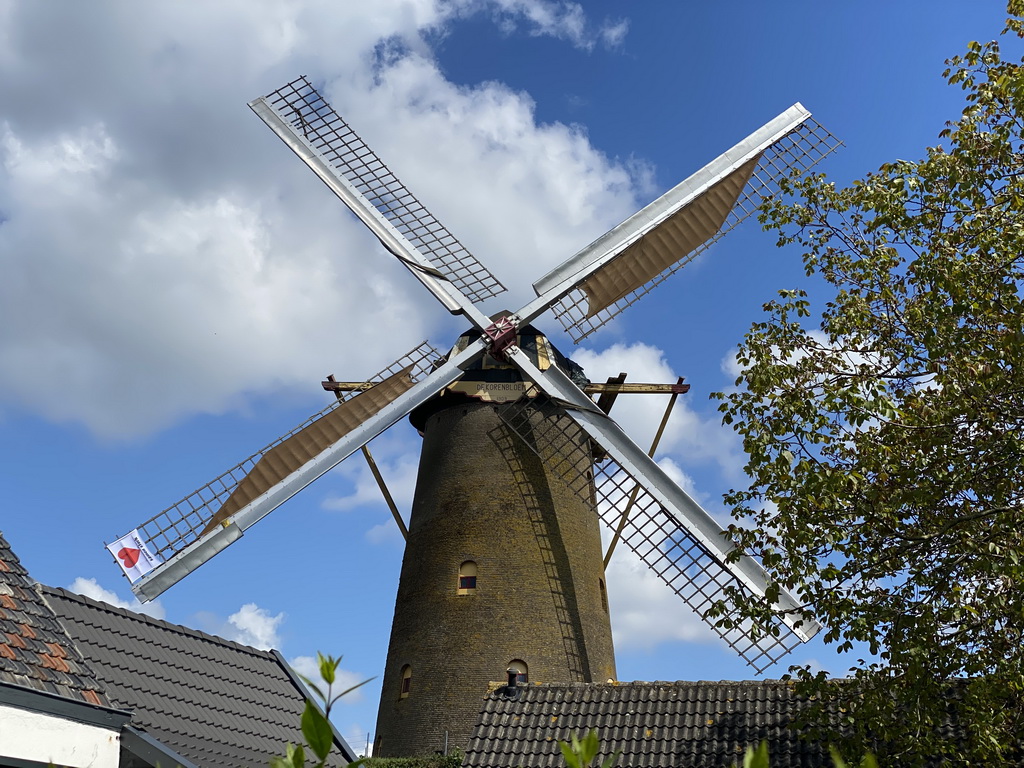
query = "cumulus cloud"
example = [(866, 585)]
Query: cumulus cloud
[(255, 626), (344, 679), (691, 438), (399, 472), (249, 625), (565, 20), (163, 255), (398, 466), (91, 588), (645, 613)]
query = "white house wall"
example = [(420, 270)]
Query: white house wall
[(27, 735)]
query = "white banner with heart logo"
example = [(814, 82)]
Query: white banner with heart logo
[(133, 556)]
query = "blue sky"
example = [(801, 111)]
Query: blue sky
[(174, 284)]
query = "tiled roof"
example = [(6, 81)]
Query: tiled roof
[(663, 724), (35, 652), (213, 701)]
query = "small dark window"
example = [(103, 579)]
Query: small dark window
[(406, 681), (521, 670), (467, 578)]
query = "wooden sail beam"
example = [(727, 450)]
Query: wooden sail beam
[(595, 388)]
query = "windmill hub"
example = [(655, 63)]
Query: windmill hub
[(496, 380), (502, 333)]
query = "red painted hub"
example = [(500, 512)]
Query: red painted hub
[(502, 333)]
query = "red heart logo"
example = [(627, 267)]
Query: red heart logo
[(130, 556)]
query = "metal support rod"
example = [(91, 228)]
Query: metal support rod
[(636, 488), (387, 494)]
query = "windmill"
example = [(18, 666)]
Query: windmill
[(503, 562)]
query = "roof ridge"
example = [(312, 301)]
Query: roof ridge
[(162, 623), (625, 683)]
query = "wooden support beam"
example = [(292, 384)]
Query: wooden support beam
[(636, 488), (338, 387), (607, 398), (387, 494), (591, 389)]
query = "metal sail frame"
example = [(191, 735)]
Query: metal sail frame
[(673, 230), (671, 532)]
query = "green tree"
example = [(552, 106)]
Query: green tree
[(885, 437)]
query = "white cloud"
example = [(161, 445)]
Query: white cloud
[(565, 20), (249, 625), (358, 737), (344, 679), (693, 439), (91, 588), (614, 32), (255, 626), (164, 255), (398, 467), (399, 473), (645, 613)]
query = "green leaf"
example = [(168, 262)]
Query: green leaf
[(570, 756), (313, 687), (328, 667), (837, 759), (318, 732), (756, 758), (296, 756), (589, 747)]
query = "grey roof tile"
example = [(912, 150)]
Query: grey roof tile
[(35, 651), (657, 724), (215, 702)]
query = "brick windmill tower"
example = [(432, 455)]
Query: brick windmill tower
[(504, 567)]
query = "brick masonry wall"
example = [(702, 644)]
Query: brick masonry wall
[(484, 497)]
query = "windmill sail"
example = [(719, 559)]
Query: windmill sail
[(695, 571), (286, 456), (191, 531), (626, 263), (301, 117), (681, 233), (666, 528)]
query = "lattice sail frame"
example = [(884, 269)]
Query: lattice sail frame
[(697, 575), (181, 524), (308, 112), (796, 152)]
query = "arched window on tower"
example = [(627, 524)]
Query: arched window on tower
[(467, 578), (406, 681), (604, 595), (522, 673)]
